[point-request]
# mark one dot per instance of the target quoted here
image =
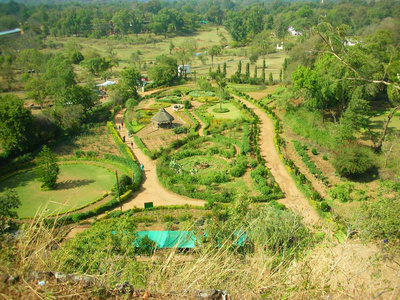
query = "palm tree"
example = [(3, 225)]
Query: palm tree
[(221, 82)]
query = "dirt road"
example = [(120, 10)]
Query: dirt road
[(294, 199)]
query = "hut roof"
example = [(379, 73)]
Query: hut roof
[(162, 117)]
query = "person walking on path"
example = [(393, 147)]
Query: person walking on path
[(132, 145), (142, 167), (122, 123), (119, 128)]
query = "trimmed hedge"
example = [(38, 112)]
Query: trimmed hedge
[(122, 147), (143, 147)]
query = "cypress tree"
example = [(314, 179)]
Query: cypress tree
[(224, 70), (271, 79), (255, 71)]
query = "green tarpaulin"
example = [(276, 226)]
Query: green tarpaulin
[(169, 239)]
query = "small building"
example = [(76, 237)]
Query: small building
[(293, 32), (162, 119), (279, 46), (184, 68)]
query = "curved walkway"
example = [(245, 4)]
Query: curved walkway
[(294, 199), (151, 189)]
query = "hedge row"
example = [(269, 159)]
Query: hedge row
[(300, 179), (76, 217), (301, 150), (122, 147), (204, 120), (143, 147), (195, 127)]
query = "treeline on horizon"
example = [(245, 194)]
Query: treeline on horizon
[(243, 19)]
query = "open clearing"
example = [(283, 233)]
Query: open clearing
[(77, 185)]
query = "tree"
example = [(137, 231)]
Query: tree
[(214, 51), (80, 95), (96, 65), (48, 169), (129, 82), (165, 70), (255, 71), (17, 127), (224, 70), (9, 201), (247, 75), (239, 69), (374, 64), (221, 82), (185, 51), (271, 79), (121, 21)]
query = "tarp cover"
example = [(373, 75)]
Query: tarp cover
[(169, 239), (108, 82)]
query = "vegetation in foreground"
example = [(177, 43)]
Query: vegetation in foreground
[(331, 107)]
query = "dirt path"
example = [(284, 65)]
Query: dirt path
[(151, 189), (294, 199)]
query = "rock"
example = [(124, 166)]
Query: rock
[(124, 288), (213, 294), (146, 295)]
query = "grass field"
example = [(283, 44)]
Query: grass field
[(234, 113), (77, 185), (150, 46)]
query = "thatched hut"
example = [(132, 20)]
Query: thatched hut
[(162, 118)]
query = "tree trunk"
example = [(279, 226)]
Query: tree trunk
[(378, 145)]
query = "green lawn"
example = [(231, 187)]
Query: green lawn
[(234, 112), (77, 185)]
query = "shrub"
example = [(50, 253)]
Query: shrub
[(314, 151), (325, 157), (79, 153), (325, 206), (352, 159), (180, 130), (187, 104)]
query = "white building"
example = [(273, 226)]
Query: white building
[(294, 32), (184, 68)]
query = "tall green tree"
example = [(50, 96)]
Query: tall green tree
[(165, 70), (48, 168), (17, 126), (221, 82), (9, 201), (214, 51)]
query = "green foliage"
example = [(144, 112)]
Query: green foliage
[(278, 231), (379, 220), (99, 248), (165, 71), (180, 130), (314, 151), (17, 126), (143, 147), (48, 168), (325, 206), (352, 159), (9, 201), (145, 246)]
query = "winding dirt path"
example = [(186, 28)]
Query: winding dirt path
[(294, 199), (151, 189)]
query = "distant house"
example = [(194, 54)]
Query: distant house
[(279, 46), (184, 68), (350, 42), (294, 32)]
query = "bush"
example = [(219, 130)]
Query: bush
[(187, 104), (314, 151), (325, 206), (180, 130), (325, 157), (79, 153), (352, 159)]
